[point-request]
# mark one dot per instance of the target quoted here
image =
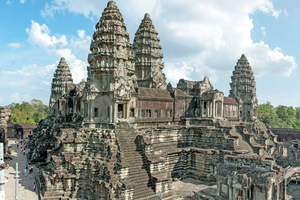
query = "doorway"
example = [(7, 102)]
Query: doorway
[(120, 110)]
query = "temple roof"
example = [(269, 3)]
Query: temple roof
[(148, 56), (111, 12), (229, 100), (63, 72), (154, 93)]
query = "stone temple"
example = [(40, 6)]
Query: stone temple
[(124, 133)]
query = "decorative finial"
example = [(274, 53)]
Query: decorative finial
[(111, 4), (147, 16), (243, 57), (206, 79)]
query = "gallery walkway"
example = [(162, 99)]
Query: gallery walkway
[(25, 186)]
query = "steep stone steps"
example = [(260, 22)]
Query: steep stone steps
[(132, 154)]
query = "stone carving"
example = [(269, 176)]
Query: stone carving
[(148, 56), (111, 53), (62, 83), (243, 89)]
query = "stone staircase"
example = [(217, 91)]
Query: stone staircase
[(133, 155)]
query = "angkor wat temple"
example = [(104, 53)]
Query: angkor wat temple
[(124, 133)]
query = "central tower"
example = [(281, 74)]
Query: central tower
[(111, 83), (111, 53)]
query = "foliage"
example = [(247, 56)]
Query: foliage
[(279, 117), (28, 113)]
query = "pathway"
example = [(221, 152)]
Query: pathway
[(25, 191)]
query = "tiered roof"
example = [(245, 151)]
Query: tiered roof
[(243, 86), (62, 82), (148, 56), (111, 53)]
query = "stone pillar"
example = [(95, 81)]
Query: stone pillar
[(202, 109), (90, 109), (277, 192), (128, 110), (219, 187), (213, 108), (115, 112), (222, 111), (210, 108), (74, 106), (207, 108), (110, 113), (230, 192), (59, 106), (284, 189)]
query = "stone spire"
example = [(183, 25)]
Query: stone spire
[(62, 82), (243, 89), (148, 56), (111, 53)]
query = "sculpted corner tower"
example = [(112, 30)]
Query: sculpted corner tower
[(62, 83), (243, 90), (148, 56)]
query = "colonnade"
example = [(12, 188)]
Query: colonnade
[(211, 108)]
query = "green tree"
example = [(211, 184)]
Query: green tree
[(15, 119), (29, 113)]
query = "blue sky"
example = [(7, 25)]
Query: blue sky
[(199, 38)]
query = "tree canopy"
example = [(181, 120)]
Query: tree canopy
[(28, 113), (279, 117)]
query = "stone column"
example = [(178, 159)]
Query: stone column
[(219, 187), (115, 112), (90, 109), (74, 106), (213, 108), (277, 192), (230, 192), (210, 108), (222, 111), (110, 113), (284, 189), (59, 106), (202, 109), (128, 110), (207, 109)]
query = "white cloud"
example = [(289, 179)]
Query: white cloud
[(81, 33), (89, 8), (33, 70), (25, 71), (46, 82), (176, 71), (263, 30), (15, 45), (198, 40), (284, 11), (22, 1), (8, 2), (58, 46), (15, 97)]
